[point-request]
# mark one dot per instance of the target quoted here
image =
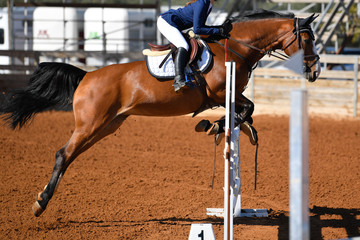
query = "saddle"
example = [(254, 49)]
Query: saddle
[(161, 65), (193, 43)]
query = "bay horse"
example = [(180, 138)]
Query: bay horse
[(104, 98)]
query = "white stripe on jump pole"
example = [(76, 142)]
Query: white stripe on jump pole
[(299, 166), (232, 181)]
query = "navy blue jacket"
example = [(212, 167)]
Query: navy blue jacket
[(193, 15)]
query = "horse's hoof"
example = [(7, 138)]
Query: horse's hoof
[(250, 131), (214, 129), (37, 209), (202, 126), (219, 137)]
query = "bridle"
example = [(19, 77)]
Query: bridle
[(295, 36)]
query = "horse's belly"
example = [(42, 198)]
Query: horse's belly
[(169, 106), (163, 109)]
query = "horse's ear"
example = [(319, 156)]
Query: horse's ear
[(312, 18), (308, 20)]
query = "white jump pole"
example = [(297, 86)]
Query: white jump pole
[(232, 181), (229, 150), (299, 166)]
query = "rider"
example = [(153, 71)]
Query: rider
[(194, 14)]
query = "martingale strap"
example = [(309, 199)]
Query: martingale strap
[(236, 53)]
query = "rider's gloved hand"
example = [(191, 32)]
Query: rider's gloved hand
[(227, 26), (223, 33), (225, 29)]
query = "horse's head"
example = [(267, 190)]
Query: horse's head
[(303, 38)]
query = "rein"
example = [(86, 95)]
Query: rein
[(234, 52), (251, 68), (270, 52)]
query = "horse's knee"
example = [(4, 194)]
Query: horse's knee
[(251, 107), (245, 110)]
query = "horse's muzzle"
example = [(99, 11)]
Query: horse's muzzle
[(312, 72), (311, 76)]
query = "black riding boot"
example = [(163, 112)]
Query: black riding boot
[(180, 62)]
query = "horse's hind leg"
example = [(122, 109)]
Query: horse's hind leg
[(81, 140)]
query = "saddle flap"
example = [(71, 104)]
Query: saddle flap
[(194, 49), (155, 47), (148, 52)]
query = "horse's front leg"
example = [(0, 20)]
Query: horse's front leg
[(244, 108)]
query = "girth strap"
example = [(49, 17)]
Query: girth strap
[(167, 56)]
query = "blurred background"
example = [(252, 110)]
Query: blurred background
[(94, 33)]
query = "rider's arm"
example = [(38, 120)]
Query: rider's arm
[(200, 16)]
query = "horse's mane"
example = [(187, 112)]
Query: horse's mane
[(261, 14)]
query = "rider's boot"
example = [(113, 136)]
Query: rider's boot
[(180, 64)]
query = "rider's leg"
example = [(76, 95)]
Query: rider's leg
[(175, 37), (180, 64)]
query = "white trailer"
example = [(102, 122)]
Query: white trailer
[(117, 31), (60, 29), (21, 36), (4, 35), (55, 29)]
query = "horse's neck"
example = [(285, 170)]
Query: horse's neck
[(267, 35)]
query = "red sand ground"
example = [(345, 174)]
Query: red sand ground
[(151, 180)]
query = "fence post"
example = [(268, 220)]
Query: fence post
[(356, 72), (299, 166)]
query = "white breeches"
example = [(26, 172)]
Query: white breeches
[(172, 34)]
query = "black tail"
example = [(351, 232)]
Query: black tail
[(51, 85)]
